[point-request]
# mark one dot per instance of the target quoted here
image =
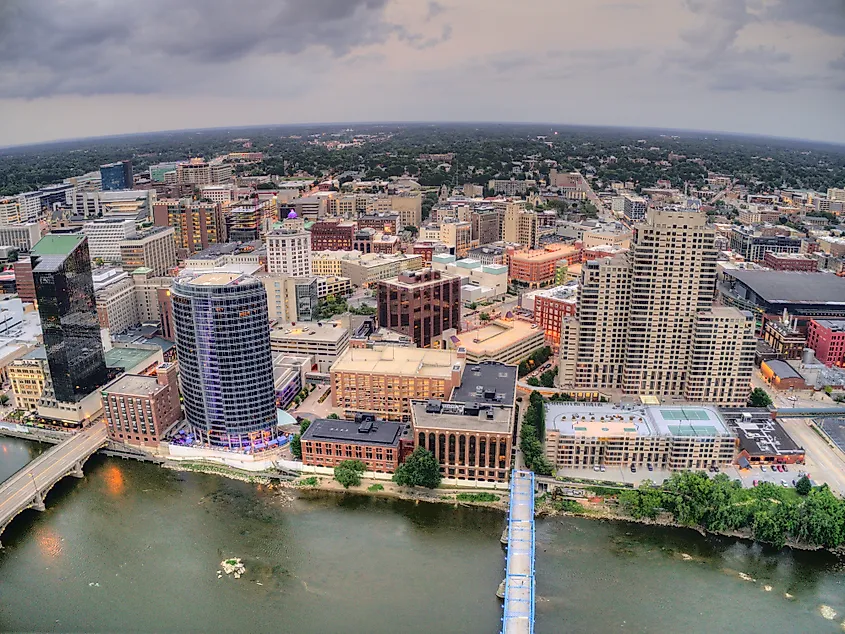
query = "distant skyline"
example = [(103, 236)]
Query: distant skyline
[(97, 68)]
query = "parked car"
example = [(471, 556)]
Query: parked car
[(783, 483), (785, 469), (602, 469), (762, 467), (596, 468), (650, 467), (633, 468)]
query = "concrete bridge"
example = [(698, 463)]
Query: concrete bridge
[(518, 617), (28, 487)]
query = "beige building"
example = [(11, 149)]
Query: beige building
[(327, 263), (409, 206), (674, 438), (289, 252), (27, 376), (520, 226), (325, 341), (368, 268), (153, 248), (621, 239), (504, 340), (10, 211), (457, 236), (114, 290), (147, 290), (637, 325), (383, 380)]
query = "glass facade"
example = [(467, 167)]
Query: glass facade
[(116, 176), (226, 369), (61, 269)]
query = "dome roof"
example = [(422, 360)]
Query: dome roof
[(292, 215)]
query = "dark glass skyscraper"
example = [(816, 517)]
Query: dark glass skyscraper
[(116, 176), (61, 270), (226, 369)]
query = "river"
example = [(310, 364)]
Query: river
[(133, 547)]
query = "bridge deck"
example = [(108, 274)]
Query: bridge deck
[(519, 581), (41, 474)]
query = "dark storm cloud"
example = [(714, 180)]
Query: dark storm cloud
[(93, 47)]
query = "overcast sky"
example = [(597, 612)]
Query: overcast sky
[(77, 68)]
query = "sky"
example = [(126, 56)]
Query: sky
[(79, 68)]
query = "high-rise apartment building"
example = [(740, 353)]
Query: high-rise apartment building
[(61, 268), (116, 176), (634, 207), (223, 346), (289, 252), (422, 305), (197, 224), (153, 248), (643, 316)]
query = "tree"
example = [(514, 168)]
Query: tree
[(547, 379), (803, 486), (533, 382), (472, 306), (296, 441), (333, 416), (4, 399), (484, 316), (349, 473), (759, 398), (420, 469)]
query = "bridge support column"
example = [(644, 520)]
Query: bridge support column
[(76, 471), (38, 501)]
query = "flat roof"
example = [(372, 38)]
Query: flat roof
[(762, 436), (585, 419), (212, 278), (58, 244), (134, 385), (782, 369), (330, 331), (377, 432), (494, 338), (793, 287), (39, 353), (127, 357), (836, 325), (487, 382), (456, 416), (399, 361)]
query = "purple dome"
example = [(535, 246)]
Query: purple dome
[(292, 215)]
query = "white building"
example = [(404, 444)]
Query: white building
[(217, 193), (289, 252), (117, 307), (10, 211), (485, 281), (22, 236), (105, 235)]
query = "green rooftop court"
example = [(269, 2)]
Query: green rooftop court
[(684, 414), (58, 244), (128, 358)]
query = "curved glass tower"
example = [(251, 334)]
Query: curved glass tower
[(226, 370)]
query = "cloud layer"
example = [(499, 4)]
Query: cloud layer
[(80, 67)]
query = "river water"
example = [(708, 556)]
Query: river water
[(133, 547)]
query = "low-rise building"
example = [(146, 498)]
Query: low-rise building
[(486, 281), (675, 438), (139, 408), (790, 261), (826, 337), (27, 376), (376, 443), (762, 440), (538, 267), (325, 342), (785, 339), (289, 376), (551, 306), (782, 376), (382, 380), (505, 340)]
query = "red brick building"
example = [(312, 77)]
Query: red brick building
[(537, 267), (827, 339), (139, 408), (384, 222), (790, 262), (376, 443), (24, 281), (549, 310), (332, 236)]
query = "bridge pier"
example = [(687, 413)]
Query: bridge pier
[(76, 470), (38, 501)]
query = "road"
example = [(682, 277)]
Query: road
[(43, 472), (311, 406)]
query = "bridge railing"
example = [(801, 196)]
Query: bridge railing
[(518, 611)]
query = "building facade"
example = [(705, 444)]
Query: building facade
[(139, 408), (153, 248), (197, 225), (332, 236), (289, 252), (422, 305), (22, 236), (105, 236), (27, 376), (826, 337), (116, 176), (226, 368), (323, 342), (790, 261), (376, 443)]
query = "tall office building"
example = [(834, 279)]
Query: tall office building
[(153, 248), (421, 304), (61, 269), (644, 319), (223, 346), (116, 176), (289, 252), (197, 224), (520, 225)]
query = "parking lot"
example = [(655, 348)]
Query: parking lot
[(835, 429)]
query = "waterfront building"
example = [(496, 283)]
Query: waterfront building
[(422, 305), (826, 337), (762, 440), (153, 248), (324, 341), (64, 287), (139, 408), (382, 380), (226, 368), (289, 372), (376, 443), (27, 376), (676, 438)]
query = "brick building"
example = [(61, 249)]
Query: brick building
[(827, 339), (537, 268), (139, 408), (332, 236), (376, 443), (790, 261)]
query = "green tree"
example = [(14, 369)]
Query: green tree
[(533, 381), (296, 441), (333, 416), (4, 399), (759, 398), (803, 486), (349, 473), (484, 316), (547, 379), (419, 469)]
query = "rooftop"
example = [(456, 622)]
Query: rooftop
[(460, 417), (793, 287), (212, 278), (134, 385), (836, 325), (759, 435), (331, 331), (782, 369), (398, 361), (487, 382), (586, 419), (58, 244), (124, 358), (39, 353), (496, 337), (376, 432)]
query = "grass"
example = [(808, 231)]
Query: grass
[(308, 482), (568, 506), (477, 497), (375, 487)]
